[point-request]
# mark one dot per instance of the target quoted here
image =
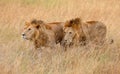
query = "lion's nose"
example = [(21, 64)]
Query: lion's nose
[(23, 34)]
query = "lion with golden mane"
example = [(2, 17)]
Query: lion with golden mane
[(43, 34), (77, 32)]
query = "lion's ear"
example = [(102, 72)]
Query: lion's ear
[(27, 23), (77, 21), (67, 24), (71, 22)]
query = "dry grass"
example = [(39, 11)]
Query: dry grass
[(16, 56)]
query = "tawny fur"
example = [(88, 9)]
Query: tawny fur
[(45, 34), (90, 31)]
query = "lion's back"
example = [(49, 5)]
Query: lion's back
[(95, 30)]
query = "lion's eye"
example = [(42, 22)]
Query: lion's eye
[(64, 32), (29, 29), (70, 32)]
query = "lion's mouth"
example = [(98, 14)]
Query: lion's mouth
[(24, 37), (66, 43)]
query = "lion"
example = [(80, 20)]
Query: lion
[(79, 33), (43, 34)]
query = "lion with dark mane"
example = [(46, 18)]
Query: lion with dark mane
[(77, 32), (43, 34)]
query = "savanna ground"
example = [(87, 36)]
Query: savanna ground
[(16, 56)]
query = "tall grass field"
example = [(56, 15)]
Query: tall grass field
[(17, 56)]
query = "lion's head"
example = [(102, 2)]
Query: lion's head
[(31, 30), (71, 31), (69, 35)]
